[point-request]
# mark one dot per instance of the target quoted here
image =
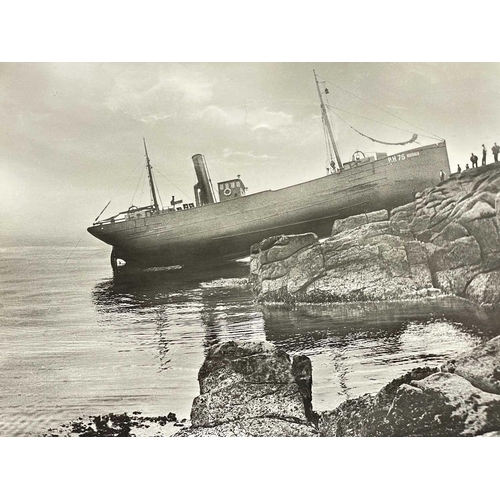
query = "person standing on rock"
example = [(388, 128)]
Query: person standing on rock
[(495, 149), (441, 175), (474, 160), (466, 166), (484, 157), (459, 168)]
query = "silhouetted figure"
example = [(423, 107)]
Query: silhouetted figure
[(495, 149), (466, 166), (473, 160), (484, 156), (459, 168), (441, 175)]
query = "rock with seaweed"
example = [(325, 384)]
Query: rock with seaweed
[(252, 389), (461, 398)]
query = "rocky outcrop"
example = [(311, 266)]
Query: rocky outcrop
[(252, 389), (462, 398), (367, 258), (458, 223), (447, 241)]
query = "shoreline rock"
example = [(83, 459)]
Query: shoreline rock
[(461, 398), (446, 242), (254, 389), (120, 425)]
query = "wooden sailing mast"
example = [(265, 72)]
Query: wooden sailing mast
[(328, 125), (151, 182)]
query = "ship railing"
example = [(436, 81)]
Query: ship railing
[(125, 215)]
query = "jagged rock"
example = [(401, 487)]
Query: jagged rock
[(456, 281), (286, 246), (443, 404), (359, 220), (463, 399), (284, 265), (453, 231), (459, 253), (308, 266), (255, 427), (484, 289), (480, 366), (252, 389), (365, 415), (485, 232), (403, 212)]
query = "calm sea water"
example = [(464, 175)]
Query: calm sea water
[(77, 341)]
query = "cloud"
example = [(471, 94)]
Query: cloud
[(157, 117), (192, 89), (227, 153), (150, 94), (254, 119)]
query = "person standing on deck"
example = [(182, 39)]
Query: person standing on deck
[(495, 149), (484, 156)]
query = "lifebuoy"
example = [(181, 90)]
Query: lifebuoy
[(227, 191)]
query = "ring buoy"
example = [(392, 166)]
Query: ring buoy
[(132, 208), (227, 191)]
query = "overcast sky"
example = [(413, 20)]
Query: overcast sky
[(71, 134)]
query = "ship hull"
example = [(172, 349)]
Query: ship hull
[(225, 231)]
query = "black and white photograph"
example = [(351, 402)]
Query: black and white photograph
[(244, 249), (250, 249)]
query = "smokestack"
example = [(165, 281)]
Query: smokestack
[(203, 188)]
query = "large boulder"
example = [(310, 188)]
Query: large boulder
[(252, 389), (462, 398), (367, 258), (481, 366), (484, 289), (355, 221)]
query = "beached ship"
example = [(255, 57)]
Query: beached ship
[(225, 229)]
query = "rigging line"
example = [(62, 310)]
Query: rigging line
[(186, 195), (390, 144), (372, 120), (119, 189), (131, 173), (68, 257), (136, 188), (102, 211), (381, 109)]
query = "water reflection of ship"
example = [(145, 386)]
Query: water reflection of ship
[(356, 343), (182, 305), (297, 329)]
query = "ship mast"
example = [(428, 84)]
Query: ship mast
[(151, 183), (328, 125)]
